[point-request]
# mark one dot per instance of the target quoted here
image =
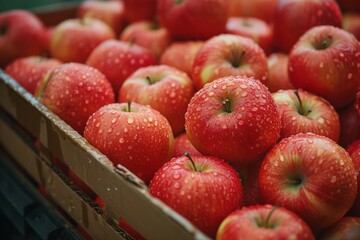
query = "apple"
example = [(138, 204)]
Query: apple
[(74, 91), (118, 60), (348, 228), (226, 55), (183, 145), (148, 34), (74, 39), (181, 55), (203, 189), (303, 112), (293, 18), (278, 72), (136, 10), (164, 88), (22, 34), (133, 136), (354, 151), (351, 23), (349, 125), (193, 19), (233, 118), (256, 29), (111, 12), (262, 9), (263, 222), (310, 175), (326, 62), (29, 71)]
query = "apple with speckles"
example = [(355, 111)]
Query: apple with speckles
[(203, 189), (227, 55), (303, 112), (73, 40), (181, 55), (118, 60), (233, 118), (354, 151), (183, 145), (111, 12), (74, 91), (326, 62), (148, 34), (287, 27), (132, 135), (256, 29), (310, 175), (260, 222), (164, 88), (22, 34), (29, 71), (193, 19), (278, 72)]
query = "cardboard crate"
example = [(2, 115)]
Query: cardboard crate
[(23, 119)]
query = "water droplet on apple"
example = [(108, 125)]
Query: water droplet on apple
[(241, 123), (282, 158), (126, 129), (310, 141), (244, 94), (349, 76), (333, 179), (177, 176), (130, 120), (321, 161), (175, 167), (121, 140), (177, 185)]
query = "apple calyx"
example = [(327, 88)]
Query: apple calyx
[(301, 110), (325, 43), (266, 223), (193, 166), (226, 104), (237, 58)]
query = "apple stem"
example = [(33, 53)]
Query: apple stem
[(226, 103), (129, 106), (266, 223), (192, 161), (301, 109), (149, 79)]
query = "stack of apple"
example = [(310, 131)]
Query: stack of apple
[(243, 116)]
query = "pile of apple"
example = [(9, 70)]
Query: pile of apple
[(243, 116)]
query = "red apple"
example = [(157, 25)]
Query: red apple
[(348, 228), (354, 151), (118, 60), (310, 175), (148, 34), (293, 18), (326, 62), (131, 135), (254, 28), (262, 9), (181, 55), (349, 125), (227, 55), (74, 91), (233, 118), (351, 23), (278, 72), (183, 145), (303, 112), (74, 39), (29, 71), (22, 34), (164, 88), (193, 19), (263, 222), (203, 189), (111, 12), (136, 10)]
